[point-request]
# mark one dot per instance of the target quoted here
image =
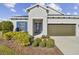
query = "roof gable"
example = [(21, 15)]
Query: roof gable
[(55, 11), (47, 8), (36, 5)]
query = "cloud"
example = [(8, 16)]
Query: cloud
[(41, 4), (75, 7), (24, 10), (68, 13), (75, 13), (55, 6), (11, 6), (0, 18), (13, 10)]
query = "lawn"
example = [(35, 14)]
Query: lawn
[(4, 50)]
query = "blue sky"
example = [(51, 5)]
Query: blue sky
[(8, 10)]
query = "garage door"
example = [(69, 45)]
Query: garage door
[(61, 29)]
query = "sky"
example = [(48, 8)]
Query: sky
[(8, 10)]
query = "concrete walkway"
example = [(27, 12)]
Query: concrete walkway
[(68, 45)]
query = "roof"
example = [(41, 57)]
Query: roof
[(44, 7), (36, 6), (55, 10), (19, 18)]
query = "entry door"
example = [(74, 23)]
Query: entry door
[(37, 26)]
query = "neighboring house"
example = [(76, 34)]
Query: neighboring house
[(44, 20)]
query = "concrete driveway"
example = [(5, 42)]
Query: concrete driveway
[(69, 45)]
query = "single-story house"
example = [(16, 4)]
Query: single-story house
[(44, 20)]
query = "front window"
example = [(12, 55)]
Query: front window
[(22, 26)]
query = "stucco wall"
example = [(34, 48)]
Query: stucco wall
[(37, 13)]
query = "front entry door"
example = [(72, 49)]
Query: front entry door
[(37, 26)]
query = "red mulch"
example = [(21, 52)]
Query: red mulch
[(31, 50)]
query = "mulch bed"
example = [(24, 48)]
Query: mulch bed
[(31, 50)]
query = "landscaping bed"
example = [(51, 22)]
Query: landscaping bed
[(21, 43), (20, 50)]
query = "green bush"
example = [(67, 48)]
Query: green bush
[(0, 27), (31, 39), (42, 43), (5, 31), (50, 43), (43, 37), (6, 26), (36, 42), (20, 37), (7, 36)]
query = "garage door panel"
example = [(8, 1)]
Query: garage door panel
[(61, 29)]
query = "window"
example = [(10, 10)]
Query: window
[(22, 26)]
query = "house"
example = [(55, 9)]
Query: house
[(44, 20)]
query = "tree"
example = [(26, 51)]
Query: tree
[(7, 26)]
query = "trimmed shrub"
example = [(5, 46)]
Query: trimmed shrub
[(36, 42), (42, 43), (50, 43), (43, 37)]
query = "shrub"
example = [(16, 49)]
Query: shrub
[(6, 26), (7, 36), (36, 42), (50, 43), (5, 31), (0, 27), (31, 39), (42, 43), (47, 37), (43, 36), (20, 37)]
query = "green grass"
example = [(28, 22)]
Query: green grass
[(4, 50)]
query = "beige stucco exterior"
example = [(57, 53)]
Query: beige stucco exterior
[(37, 13), (49, 16)]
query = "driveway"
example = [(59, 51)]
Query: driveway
[(69, 45)]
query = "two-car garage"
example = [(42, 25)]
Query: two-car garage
[(61, 29)]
